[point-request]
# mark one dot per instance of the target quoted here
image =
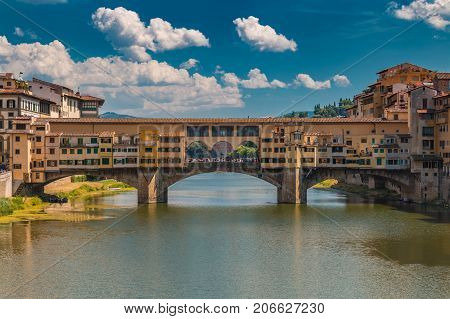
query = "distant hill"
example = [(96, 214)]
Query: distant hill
[(114, 115)]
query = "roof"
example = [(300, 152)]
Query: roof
[(106, 134), (91, 98), (406, 64), (22, 92), (421, 86), (441, 95), (50, 84), (443, 75), (16, 91), (270, 120), (397, 110)]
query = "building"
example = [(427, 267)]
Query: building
[(39, 99), (387, 91), (72, 104)]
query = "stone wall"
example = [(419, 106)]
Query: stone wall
[(5, 184)]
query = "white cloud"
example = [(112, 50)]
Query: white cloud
[(308, 82), (435, 12), (256, 80), (231, 79), (19, 32), (189, 64), (262, 37), (174, 89), (341, 80), (130, 36)]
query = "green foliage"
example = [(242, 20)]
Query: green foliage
[(9, 205), (86, 189), (331, 110), (296, 114), (111, 183), (244, 151), (78, 178), (197, 150)]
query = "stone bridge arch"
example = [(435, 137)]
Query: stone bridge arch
[(400, 181)]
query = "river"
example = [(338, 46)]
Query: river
[(224, 236)]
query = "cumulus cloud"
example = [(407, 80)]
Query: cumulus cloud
[(256, 80), (129, 35), (172, 88), (189, 64), (262, 37), (307, 81), (436, 12), (341, 80)]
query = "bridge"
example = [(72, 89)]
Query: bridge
[(153, 154)]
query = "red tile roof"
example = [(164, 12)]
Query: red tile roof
[(269, 120), (443, 75)]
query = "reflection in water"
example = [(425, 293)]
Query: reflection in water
[(223, 235)]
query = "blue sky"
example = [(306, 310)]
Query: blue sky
[(319, 39)]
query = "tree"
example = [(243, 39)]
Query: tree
[(197, 150), (245, 151), (296, 114)]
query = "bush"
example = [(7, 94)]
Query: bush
[(9, 205), (78, 178)]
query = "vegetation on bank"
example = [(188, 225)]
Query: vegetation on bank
[(90, 189), (20, 208), (32, 208)]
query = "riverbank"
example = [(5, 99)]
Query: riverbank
[(85, 189), (363, 191), (17, 209), (380, 195)]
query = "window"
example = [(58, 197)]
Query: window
[(52, 140), (79, 151), (379, 161), (197, 131), (424, 103), (64, 150), (38, 139), (17, 166), (11, 104), (427, 131), (148, 149), (17, 152), (38, 151), (17, 138), (72, 151), (80, 141), (21, 127), (222, 130), (93, 140), (52, 151), (105, 161)]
